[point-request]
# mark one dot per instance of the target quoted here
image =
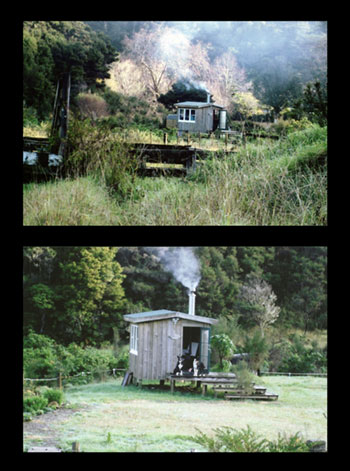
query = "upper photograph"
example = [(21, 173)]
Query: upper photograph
[(175, 123)]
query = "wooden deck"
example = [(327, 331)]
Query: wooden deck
[(224, 383), (216, 379), (175, 160)]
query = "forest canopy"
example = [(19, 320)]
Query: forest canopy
[(79, 294)]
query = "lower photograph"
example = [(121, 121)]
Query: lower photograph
[(175, 349)]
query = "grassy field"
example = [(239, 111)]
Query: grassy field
[(108, 418), (264, 183)]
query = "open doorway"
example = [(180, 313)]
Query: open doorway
[(196, 344)]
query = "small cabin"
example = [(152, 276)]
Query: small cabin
[(196, 116), (157, 338)]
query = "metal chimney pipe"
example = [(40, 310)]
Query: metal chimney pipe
[(208, 97), (191, 302)]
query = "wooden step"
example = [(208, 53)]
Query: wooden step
[(259, 397)]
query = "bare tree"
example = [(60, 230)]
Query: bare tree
[(260, 300), (127, 78), (227, 78), (143, 49)]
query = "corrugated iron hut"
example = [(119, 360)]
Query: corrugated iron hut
[(157, 338), (196, 116)]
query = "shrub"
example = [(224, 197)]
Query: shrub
[(34, 404), (39, 356), (244, 377), (301, 359), (228, 439), (95, 150), (223, 345), (44, 358), (257, 348), (91, 106), (54, 395)]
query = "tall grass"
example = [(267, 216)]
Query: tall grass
[(78, 202), (264, 183)]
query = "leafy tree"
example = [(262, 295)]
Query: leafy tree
[(90, 292), (219, 285), (182, 90), (42, 297), (313, 104), (51, 49)]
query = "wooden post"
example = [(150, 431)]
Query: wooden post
[(165, 138), (226, 139), (172, 384), (76, 446)]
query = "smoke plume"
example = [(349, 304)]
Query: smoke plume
[(181, 262)]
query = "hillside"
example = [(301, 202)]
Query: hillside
[(263, 183)]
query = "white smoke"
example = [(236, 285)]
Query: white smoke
[(181, 262), (174, 48)]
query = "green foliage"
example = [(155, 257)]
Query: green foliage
[(83, 298), (34, 404), (182, 90), (258, 350), (54, 395), (51, 48), (94, 150), (39, 356), (245, 378), (131, 112), (43, 357), (302, 359), (228, 439), (224, 346), (94, 286)]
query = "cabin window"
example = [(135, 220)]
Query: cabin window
[(134, 337), (186, 114)]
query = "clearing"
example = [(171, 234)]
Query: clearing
[(105, 417)]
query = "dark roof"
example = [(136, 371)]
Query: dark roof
[(162, 314)]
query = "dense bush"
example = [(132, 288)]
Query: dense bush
[(95, 150), (54, 395), (34, 404), (302, 359), (43, 357)]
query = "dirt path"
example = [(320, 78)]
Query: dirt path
[(41, 430)]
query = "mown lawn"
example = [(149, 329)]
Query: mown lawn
[(110, 418)]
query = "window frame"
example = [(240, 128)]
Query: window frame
[(190, 112), (134, 339)]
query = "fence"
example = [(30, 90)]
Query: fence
[(277, 373), (114, 372), (60, 377)]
